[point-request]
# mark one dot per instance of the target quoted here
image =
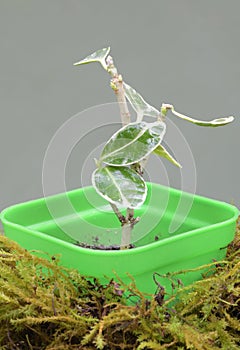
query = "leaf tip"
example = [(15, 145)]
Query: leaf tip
[(223, 121), (77, 63), (230, 119)]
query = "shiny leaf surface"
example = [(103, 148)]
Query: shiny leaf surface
[(132, 143), (121, 186)]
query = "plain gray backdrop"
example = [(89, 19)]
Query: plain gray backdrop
[(182, 52)]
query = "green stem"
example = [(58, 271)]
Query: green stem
[(164, 109)]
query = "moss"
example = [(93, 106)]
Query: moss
[(45, 306)]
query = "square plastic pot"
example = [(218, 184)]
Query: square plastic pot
[(177, 231)]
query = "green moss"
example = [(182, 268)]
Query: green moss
[(45, 306)]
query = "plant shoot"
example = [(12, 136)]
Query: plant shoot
[(118, 177)]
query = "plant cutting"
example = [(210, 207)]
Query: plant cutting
[(123, 196), (118, 177)]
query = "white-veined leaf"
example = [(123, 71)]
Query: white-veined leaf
[(98, 56), (212, 123), (139, 104), (162, 152), (132, 143), (121, 186)]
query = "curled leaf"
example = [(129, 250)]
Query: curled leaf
[(162, 152), (212, 123), (120, 186), (139, 104), (97, 56), (132, 143)]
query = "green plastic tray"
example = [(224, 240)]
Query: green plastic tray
[(169, 237)]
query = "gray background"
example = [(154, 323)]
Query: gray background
[(182, 52)]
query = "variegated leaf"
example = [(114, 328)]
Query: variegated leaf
[(212, 123), (132, 143), (121, 186), (139, 104), (162, 152), (98, 56)]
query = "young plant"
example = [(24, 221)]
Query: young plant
[(118, 177)]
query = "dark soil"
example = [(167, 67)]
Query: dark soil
[(101, 246)]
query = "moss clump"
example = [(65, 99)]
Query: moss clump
[(45, 306)]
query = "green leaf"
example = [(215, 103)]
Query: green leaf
[(212, 123), (162, 152), (139, 105), (132, 143), (98, 56), (120, 186)]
